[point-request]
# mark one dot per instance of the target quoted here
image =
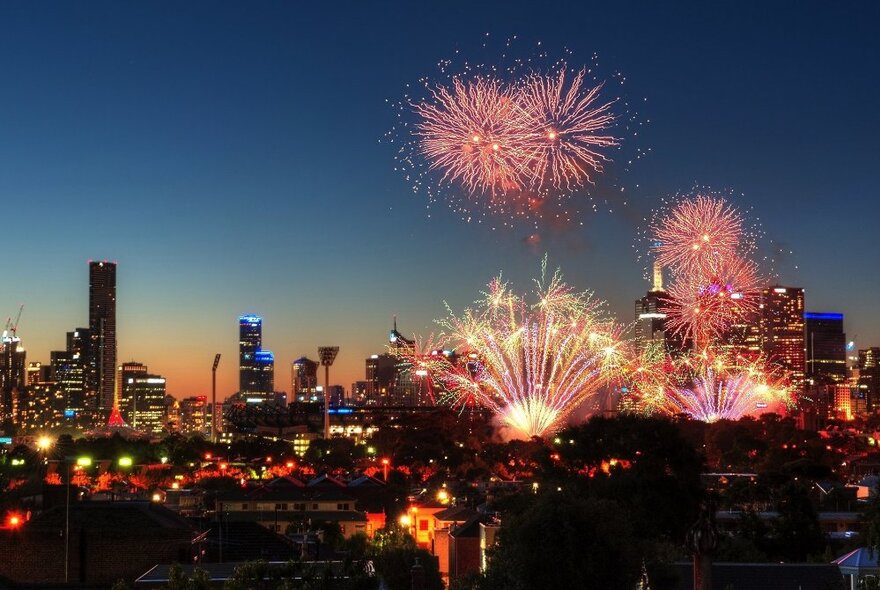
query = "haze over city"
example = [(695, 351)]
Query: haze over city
[(230, 161)]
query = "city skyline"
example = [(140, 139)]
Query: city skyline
[(175, 188)]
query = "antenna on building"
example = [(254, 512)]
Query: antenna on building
[(658, 276)]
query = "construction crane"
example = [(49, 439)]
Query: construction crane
[(13, 326)]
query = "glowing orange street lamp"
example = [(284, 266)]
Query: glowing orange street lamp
[(385, 463)]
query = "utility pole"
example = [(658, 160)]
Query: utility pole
[(214, 398), (327, 354)]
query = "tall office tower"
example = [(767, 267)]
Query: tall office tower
[(264, 363), (13, 370), (303, 380), (250, 330), (125, 373), (147, 395), (69, 369), (826, 348), (102, 331), (781, 328), (407, 387), (381, 373), (869, 376), (256, 367), (650, 325)]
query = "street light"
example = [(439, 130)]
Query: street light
[(214, 398), (327, 354), (125, 462), (80, 462)]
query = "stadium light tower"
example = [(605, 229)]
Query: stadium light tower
[(214, 398), (327, 354)]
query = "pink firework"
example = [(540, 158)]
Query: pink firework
[(697, 234), (477, 134), (570, 125), (711, 385), (703, 306)]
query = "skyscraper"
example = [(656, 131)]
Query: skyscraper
[(125, 373), (69, 369), (256, 367), (826, 348), (781, 329), (147, 395), (650, 320), (12, 376), (264, 362), (102, 331)]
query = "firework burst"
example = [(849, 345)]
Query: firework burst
[(451, 376), (475, 133), (712, 386), (696, 234), (705, 243), (570, 130), (513, 141), (702, 307), (533, 363)]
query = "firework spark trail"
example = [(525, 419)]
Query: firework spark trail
[(714, 285), (702, 307), (475, 133), (696, 234), (534, 364), (702, 240), (570, 124), (711, 386), (524, 142)]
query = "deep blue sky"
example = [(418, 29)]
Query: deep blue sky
[(227, 156)]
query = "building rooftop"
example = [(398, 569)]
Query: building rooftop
[(133, 515), (767, 576)]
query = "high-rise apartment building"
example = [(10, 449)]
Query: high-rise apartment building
[(12, 376), (781, 329), (102, 332), (825, 348)]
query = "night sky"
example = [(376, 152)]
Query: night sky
[(227, 155)]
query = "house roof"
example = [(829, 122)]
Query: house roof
[(296, 515), (220, 572), (130, 515), (767, 576), (285, 481), (366, 481), (858, 561), (455, 514), (287, 494), (325, 480), (469, 529)]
